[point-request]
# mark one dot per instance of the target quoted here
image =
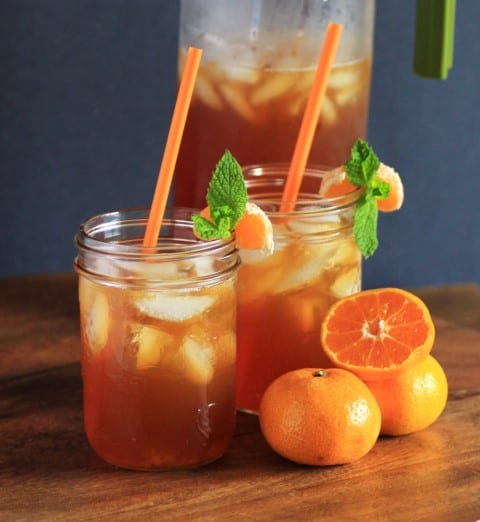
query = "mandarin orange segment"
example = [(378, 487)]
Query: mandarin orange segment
[(394, 200), (378, 333), (335, 183), (253, 231)]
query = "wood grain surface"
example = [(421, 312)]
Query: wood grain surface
[(48, 471)]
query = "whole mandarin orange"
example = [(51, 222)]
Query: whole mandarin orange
[(319, 417), (413, 400)]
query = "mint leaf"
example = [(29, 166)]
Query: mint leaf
[(380, 189), (205, 229), (227, 189), (226, 199), (361, 170), (223, 216), (365, 224), (363, 164)]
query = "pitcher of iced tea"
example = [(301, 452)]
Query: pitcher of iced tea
[(259, 60)]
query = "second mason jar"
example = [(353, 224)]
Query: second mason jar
[(282, 298)]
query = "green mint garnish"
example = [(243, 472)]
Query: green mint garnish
[(226, 199), (361, 170)]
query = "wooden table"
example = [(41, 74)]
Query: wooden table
[(48, 471)]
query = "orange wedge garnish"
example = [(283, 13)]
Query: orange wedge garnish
[(335, 183), (254, 229), (394, 200)]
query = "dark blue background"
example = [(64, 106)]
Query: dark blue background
[(86, 93)]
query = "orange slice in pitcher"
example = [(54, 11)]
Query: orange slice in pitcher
[(254, 229), (335, 183), (378, 333)]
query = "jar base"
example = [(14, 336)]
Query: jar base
[(160, 468)]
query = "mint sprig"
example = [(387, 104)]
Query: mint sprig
[(226, 199), (361, 170)]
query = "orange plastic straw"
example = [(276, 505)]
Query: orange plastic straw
[(172, 147), (310, 117)]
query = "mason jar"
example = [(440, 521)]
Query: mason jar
[(283, 297), (158, 341)]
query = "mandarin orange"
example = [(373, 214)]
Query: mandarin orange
[(378, 333), (413, 400), (319, 417), (253, 230), (395, 197), (335, 183)]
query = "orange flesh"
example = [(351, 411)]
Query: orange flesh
[(253, 231), (335, 184), (378, 332), (394, 200)]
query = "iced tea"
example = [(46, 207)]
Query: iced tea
[(158, 344), (258, 64), (283, 298), (256, 113)]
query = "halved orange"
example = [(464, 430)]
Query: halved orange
[(378, 333), (335, 183), (254, 229)]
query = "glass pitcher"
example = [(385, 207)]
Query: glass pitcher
[(258, 64)]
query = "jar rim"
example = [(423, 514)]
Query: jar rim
[(94, 231), (260, 176), (110, 250)]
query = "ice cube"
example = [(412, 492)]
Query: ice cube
[(258, 279), (237, 101), (296, 105), (274, 87), (339, 79), (347, 283), (328, 113), (304, 81), (346, 95), (345, 253), (173, 306), (226, 350), (315, 225), (151, 344), (164, 271), (254, 256), (207, 93), (307, 262), (103, 266), (302, 274), (203, 266), (247, 75), (97, 322), (195, 360)]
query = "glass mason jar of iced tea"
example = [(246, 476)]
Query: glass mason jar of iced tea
[(158, 341), (258, 63), (283, 298)]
